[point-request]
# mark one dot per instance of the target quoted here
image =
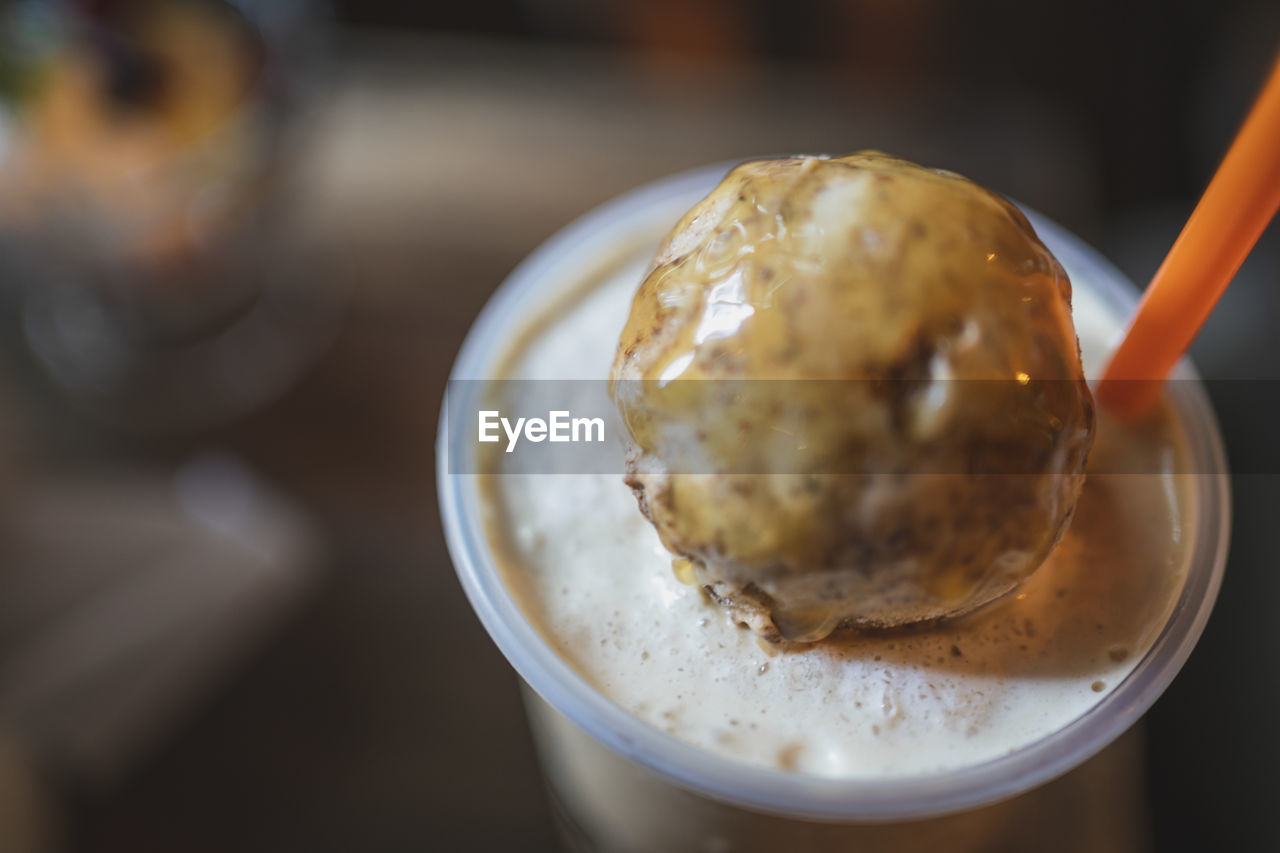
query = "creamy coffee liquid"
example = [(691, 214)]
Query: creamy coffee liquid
[(590, 574)]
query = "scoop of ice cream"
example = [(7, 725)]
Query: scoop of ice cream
[(853, 395)]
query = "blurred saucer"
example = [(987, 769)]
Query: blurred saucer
[(129, 597)]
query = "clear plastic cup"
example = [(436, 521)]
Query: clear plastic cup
[(596, 754)]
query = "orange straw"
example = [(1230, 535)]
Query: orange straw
[(1233, 212)]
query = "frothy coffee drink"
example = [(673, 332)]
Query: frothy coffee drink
[(592, 575)]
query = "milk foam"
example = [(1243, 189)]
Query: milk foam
[(591, 575)]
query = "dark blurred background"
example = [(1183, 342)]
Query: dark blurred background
[(241, 244)]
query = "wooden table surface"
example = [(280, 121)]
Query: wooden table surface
[(381, 717)]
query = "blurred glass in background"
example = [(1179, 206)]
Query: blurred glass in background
[(144, 152)]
